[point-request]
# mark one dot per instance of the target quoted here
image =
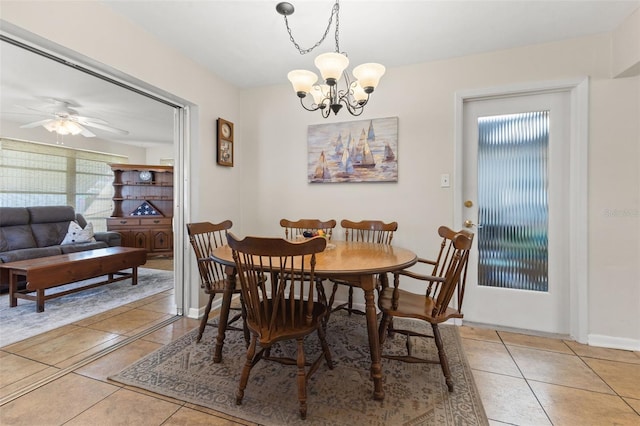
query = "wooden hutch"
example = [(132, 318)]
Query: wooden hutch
[(143, 207)]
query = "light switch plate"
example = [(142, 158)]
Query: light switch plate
[(444, 180)]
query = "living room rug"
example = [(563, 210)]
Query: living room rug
[(415, 394), (25, 322)]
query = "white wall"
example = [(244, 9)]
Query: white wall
[(270, 163), (625, 52), (422, 96)]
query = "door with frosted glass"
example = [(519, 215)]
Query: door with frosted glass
[(515, 187)]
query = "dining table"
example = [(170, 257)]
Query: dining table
[(356, 262)]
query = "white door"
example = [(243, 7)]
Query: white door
[(515, 187)]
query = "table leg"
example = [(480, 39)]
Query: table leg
[(229, 286), (13, 288), (134, 275), (368, 285), (40, 300)]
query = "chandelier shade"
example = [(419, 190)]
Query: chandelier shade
[(368, 75), (302, 81), (332, 66)]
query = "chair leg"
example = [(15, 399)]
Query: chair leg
[(244, 378), (382, 329), (322, 297), (443, 356), (302, 379), (205, 318), (325, 347), (350, 305), (245, 329), (321, 294)]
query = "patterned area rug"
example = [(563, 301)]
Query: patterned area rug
[(415, 394), (25, 322)]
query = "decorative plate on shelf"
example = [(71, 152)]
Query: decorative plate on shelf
[(146, 176)]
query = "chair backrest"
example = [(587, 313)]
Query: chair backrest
[(204, 238), (369, 231), (287, 298), (454, 273), (293, 228)]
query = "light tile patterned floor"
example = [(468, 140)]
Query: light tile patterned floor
[(523, 380)]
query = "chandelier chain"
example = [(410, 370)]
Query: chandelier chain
[(334, 12)]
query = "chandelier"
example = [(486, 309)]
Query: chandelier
[(327, 97)]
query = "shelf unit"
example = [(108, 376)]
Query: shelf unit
[(152, 232)]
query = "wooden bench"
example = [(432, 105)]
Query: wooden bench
[(52, 271)]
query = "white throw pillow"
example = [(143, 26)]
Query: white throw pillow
[(76, 234)]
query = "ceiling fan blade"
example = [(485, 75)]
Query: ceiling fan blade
[(88, 120), (35, 124), (106, 128), (86, 132), (55, 110), (61, 110)]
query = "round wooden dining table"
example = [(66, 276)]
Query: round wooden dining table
[(356, 262)]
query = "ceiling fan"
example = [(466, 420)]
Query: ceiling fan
[(64, 120)]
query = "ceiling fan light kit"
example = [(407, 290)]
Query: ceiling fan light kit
[(63, 127), (327, 97), (66, 121)]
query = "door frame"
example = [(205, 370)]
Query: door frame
[(184, 122), (578, 89)]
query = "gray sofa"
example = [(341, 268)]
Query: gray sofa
[(31, 232)]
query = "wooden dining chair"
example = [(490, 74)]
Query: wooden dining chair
[(284, 307), (204, 238), (295, 228), (435, 266), (431, 306), (369, 231)]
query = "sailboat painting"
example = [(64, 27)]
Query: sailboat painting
[(353, 151)]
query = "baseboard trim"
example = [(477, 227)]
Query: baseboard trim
[(611, 342), (197, 313)]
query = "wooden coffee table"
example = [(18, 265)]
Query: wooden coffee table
[(53, 271)]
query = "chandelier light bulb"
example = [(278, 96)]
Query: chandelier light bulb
[(302, 81), (331, 66)]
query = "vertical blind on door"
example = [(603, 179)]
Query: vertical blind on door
[(513, 201)]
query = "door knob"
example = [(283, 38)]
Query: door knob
[(468, 203), (469, 224)]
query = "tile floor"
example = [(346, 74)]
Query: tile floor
[(522, 380)]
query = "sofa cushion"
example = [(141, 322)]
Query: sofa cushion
[(75, 234), (14, 216), (50, 223), (49, 234), (16, 237), (29, 253), (50, 214)]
